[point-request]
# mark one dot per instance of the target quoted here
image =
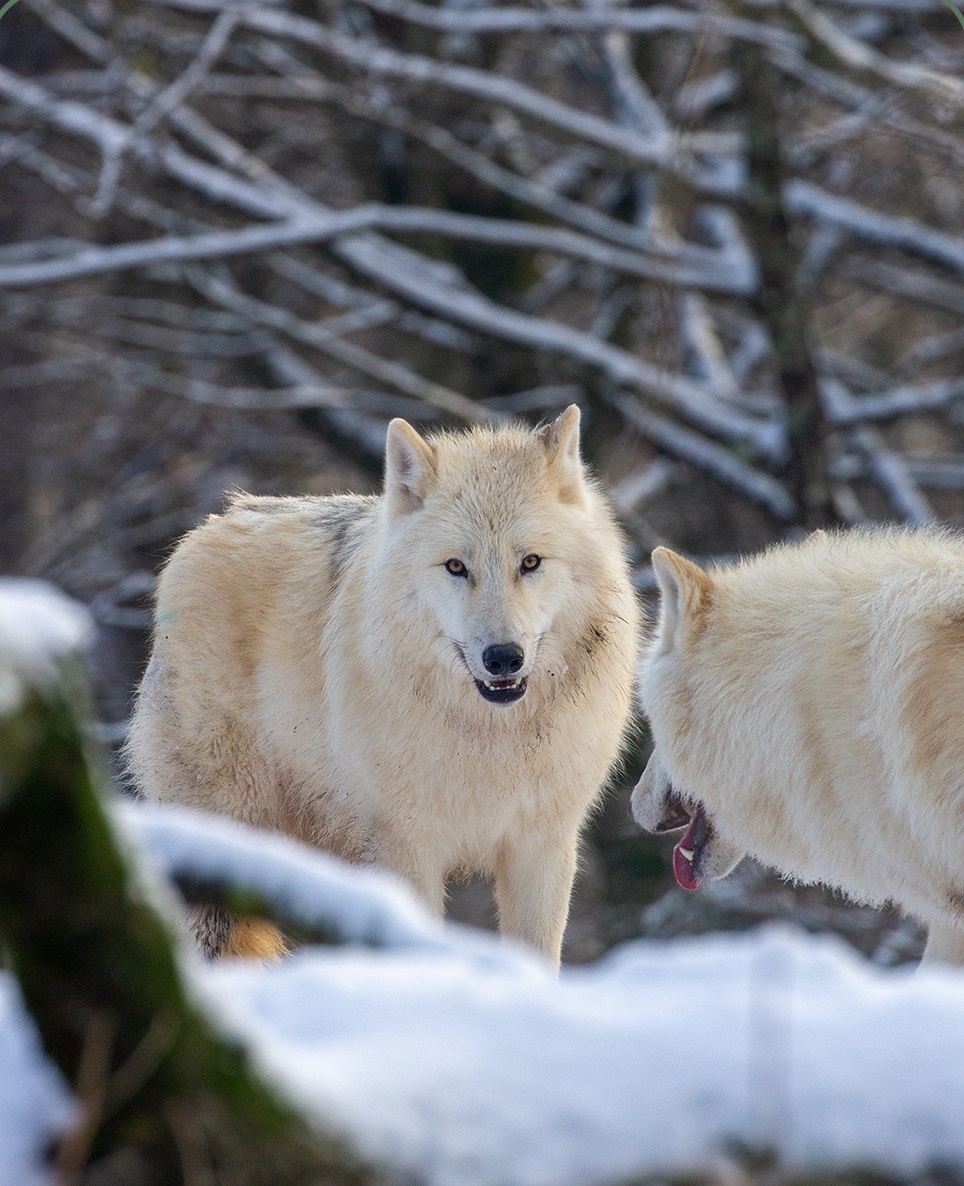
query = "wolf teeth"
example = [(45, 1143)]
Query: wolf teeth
[(687, 852), (502, 687)]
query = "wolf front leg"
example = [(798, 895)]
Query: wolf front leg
[(416, 861), (945, 944), (533, 882)]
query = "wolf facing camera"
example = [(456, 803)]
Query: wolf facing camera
[(437, 680)]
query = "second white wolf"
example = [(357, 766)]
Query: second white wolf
[(438, 680), (807, 707)]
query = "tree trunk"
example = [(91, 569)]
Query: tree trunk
[(164, 1098)]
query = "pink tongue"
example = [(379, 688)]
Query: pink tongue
[(683, 866)]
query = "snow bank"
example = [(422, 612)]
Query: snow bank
[(454, 1058), (460, 1061), (654, 1062)]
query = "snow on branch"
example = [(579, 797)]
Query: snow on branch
[(305, 888), (715, 271), (871, 226), (40, 627)]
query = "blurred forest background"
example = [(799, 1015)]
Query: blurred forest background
[(236, 238)]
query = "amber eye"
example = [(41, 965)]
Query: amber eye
[(456, 568), (531, 562)]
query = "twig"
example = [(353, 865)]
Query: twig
[(667, 151), (711, 459), (893, 475), (392, 374)]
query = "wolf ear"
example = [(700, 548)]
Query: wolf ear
[(686, 593), (409, 468), (561, 442)]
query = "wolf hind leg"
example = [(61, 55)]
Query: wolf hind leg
[(254, 939), (533, 883), (221, 935), (945, 944)]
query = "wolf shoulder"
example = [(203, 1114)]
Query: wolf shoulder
[(261, 542)]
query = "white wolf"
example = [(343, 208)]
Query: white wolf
[(438, 679), (807, 707)]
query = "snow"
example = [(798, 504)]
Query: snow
[(34, 1103), (653, 1062), (352, 903), (447, 1055), (39, 626)]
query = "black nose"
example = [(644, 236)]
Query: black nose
[(503, 659)]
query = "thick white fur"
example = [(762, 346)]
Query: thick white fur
[(812, 699), (314, 667)]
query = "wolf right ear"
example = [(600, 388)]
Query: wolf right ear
[(409, 468), (561, 441), (686, 593)]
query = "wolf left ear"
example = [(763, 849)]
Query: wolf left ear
[(686, 593), (561, 442), (409, 468)]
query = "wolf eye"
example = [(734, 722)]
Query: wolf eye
[(456, 568), (531, 562)]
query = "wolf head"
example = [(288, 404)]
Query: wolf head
[(500, 551), (660, 802)]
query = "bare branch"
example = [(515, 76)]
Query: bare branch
[(668, 151), (718, 463), (657, 19), (732, 270), (899, 401), (173, 248), (916, 285), (891, 471), (855, 55), (391, 374), (871, 226), (410, 220)]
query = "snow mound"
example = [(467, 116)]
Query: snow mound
[(455, 1058), (349, 902)]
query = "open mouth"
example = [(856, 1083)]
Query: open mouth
[(502, 691), (688, 853)]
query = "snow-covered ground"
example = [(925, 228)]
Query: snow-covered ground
[(447, 1055), (458, 1060)]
